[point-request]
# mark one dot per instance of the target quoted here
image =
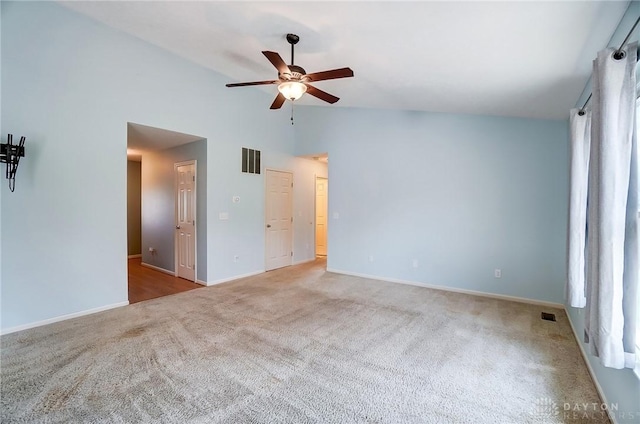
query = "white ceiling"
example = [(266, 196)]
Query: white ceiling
[(526, 59)]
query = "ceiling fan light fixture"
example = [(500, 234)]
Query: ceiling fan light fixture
[(292, 90)]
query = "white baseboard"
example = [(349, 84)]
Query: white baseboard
[(63, 318), (592, 373), (237, 277), (157, 268), (171, 273), (453, 289), (139, 255)]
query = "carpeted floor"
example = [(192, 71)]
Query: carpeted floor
[(299, 345)]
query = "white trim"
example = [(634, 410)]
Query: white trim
[(592, 373), (157, 268), (202, 283), (315, 215), (139, 255), (63, 318), (237, 277), (453, 289)]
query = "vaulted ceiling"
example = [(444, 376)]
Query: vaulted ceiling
[(525, 59)]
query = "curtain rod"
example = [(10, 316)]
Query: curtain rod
[(617, 55)]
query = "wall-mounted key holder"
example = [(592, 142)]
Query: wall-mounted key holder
[(10, 154)]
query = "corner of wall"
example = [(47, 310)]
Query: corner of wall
[(618, 389)]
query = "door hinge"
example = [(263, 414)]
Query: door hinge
[(194, 178), (291, 253), (291, 219), (291, 185)]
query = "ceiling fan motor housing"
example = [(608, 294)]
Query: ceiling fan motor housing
[(297, 74)]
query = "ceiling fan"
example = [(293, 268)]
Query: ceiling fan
[(293, 81)]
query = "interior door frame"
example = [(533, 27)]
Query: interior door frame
[(315, 215), (193, 162), (266, 187)]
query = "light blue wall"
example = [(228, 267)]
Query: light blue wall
[(2, 128), (462, 195), (619, 386), (158, 200), (70, 85)]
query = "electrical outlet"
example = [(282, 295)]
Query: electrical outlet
[(236, 258), (497, 273)]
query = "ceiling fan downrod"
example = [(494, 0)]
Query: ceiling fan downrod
[(293, 40)]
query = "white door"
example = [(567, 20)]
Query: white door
[(322, 195), (186, 220), (279, 219)]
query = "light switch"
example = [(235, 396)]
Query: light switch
[(223, 216)]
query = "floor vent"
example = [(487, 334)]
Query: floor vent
[(548, 317)]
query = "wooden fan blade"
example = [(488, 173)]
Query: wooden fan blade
[(322, 95), (277, 61), (243, 84), (332, 74), (278, 102)]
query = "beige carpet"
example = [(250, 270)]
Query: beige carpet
[(299, 345)]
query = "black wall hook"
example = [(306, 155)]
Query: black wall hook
[(10, 154)]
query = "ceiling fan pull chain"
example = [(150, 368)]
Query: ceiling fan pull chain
[(291, 113)]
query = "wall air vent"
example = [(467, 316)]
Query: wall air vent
[(250, 161), (548, 317)]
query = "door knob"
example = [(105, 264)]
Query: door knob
[(177, 227), (268, 225)]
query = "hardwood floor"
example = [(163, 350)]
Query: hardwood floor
[(146, 283)]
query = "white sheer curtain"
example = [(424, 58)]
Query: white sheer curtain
[(612, 212), (580, 145)]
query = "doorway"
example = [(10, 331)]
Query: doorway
[(278, 219), (167, 259), (322, 201)]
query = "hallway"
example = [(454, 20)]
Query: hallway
[(146, 283)]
